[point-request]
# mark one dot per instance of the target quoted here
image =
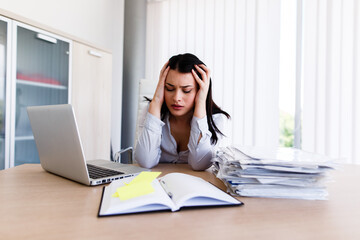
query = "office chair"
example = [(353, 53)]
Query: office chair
[(146, 89)]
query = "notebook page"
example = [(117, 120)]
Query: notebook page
[(187, 190)]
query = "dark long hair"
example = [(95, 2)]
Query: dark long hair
[(184, 63)]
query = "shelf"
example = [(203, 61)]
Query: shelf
[(44, 85), (24, 138)]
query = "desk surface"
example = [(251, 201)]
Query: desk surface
[(40, 205)]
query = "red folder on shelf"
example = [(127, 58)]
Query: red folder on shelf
[(37, 78)]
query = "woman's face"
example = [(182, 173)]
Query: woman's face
[(180, 93)]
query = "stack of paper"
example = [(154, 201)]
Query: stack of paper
[(274, 173)]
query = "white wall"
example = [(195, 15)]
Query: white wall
[(100, 22)]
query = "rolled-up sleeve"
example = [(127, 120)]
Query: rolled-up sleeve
[(147, 151), (200, 148)]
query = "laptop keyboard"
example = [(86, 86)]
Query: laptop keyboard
[(98, 172)]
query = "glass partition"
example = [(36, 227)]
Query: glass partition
[(3, 65), (42, 78)]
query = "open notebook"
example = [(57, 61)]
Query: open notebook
[(171, 192)]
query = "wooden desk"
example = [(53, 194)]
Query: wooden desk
[(39, 205)]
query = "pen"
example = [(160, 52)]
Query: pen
[(163, 184)]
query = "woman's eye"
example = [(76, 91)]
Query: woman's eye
[(187, 91), (169, 89)]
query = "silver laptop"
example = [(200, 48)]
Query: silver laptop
[(60, 150)]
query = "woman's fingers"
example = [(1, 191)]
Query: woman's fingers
[(197, 79), (204, 69), (158, 99), (159, 92), (164, 73), (164, 68), (204, 72)]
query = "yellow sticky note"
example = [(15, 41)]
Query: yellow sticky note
[(134, 190), (139, 186), (145, 177)]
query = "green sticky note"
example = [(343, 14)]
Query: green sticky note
[(139, 186)]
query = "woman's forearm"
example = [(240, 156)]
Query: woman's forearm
[(147, 151)]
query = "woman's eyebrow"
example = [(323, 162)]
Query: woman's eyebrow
[(185, 86)]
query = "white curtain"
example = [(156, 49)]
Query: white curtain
[(331, 70), (239, 41)]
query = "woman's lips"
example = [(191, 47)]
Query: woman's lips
[(176, 107)]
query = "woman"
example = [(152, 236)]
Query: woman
[(183, 123)]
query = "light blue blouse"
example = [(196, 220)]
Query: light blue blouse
[(156, 144)]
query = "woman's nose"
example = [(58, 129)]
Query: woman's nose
[(177, 96)]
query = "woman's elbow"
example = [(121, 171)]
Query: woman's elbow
[(144, 160), (198, 167), (146, 164), (202, 164)]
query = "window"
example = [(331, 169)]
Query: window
[(289, 74)]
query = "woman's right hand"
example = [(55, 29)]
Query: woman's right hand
[(158, 99)]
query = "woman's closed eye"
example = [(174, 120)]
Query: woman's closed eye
[(169, 89)]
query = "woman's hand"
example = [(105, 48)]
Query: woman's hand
[(204, 83), (158, 99)]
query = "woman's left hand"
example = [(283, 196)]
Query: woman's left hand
[(204, 83)]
